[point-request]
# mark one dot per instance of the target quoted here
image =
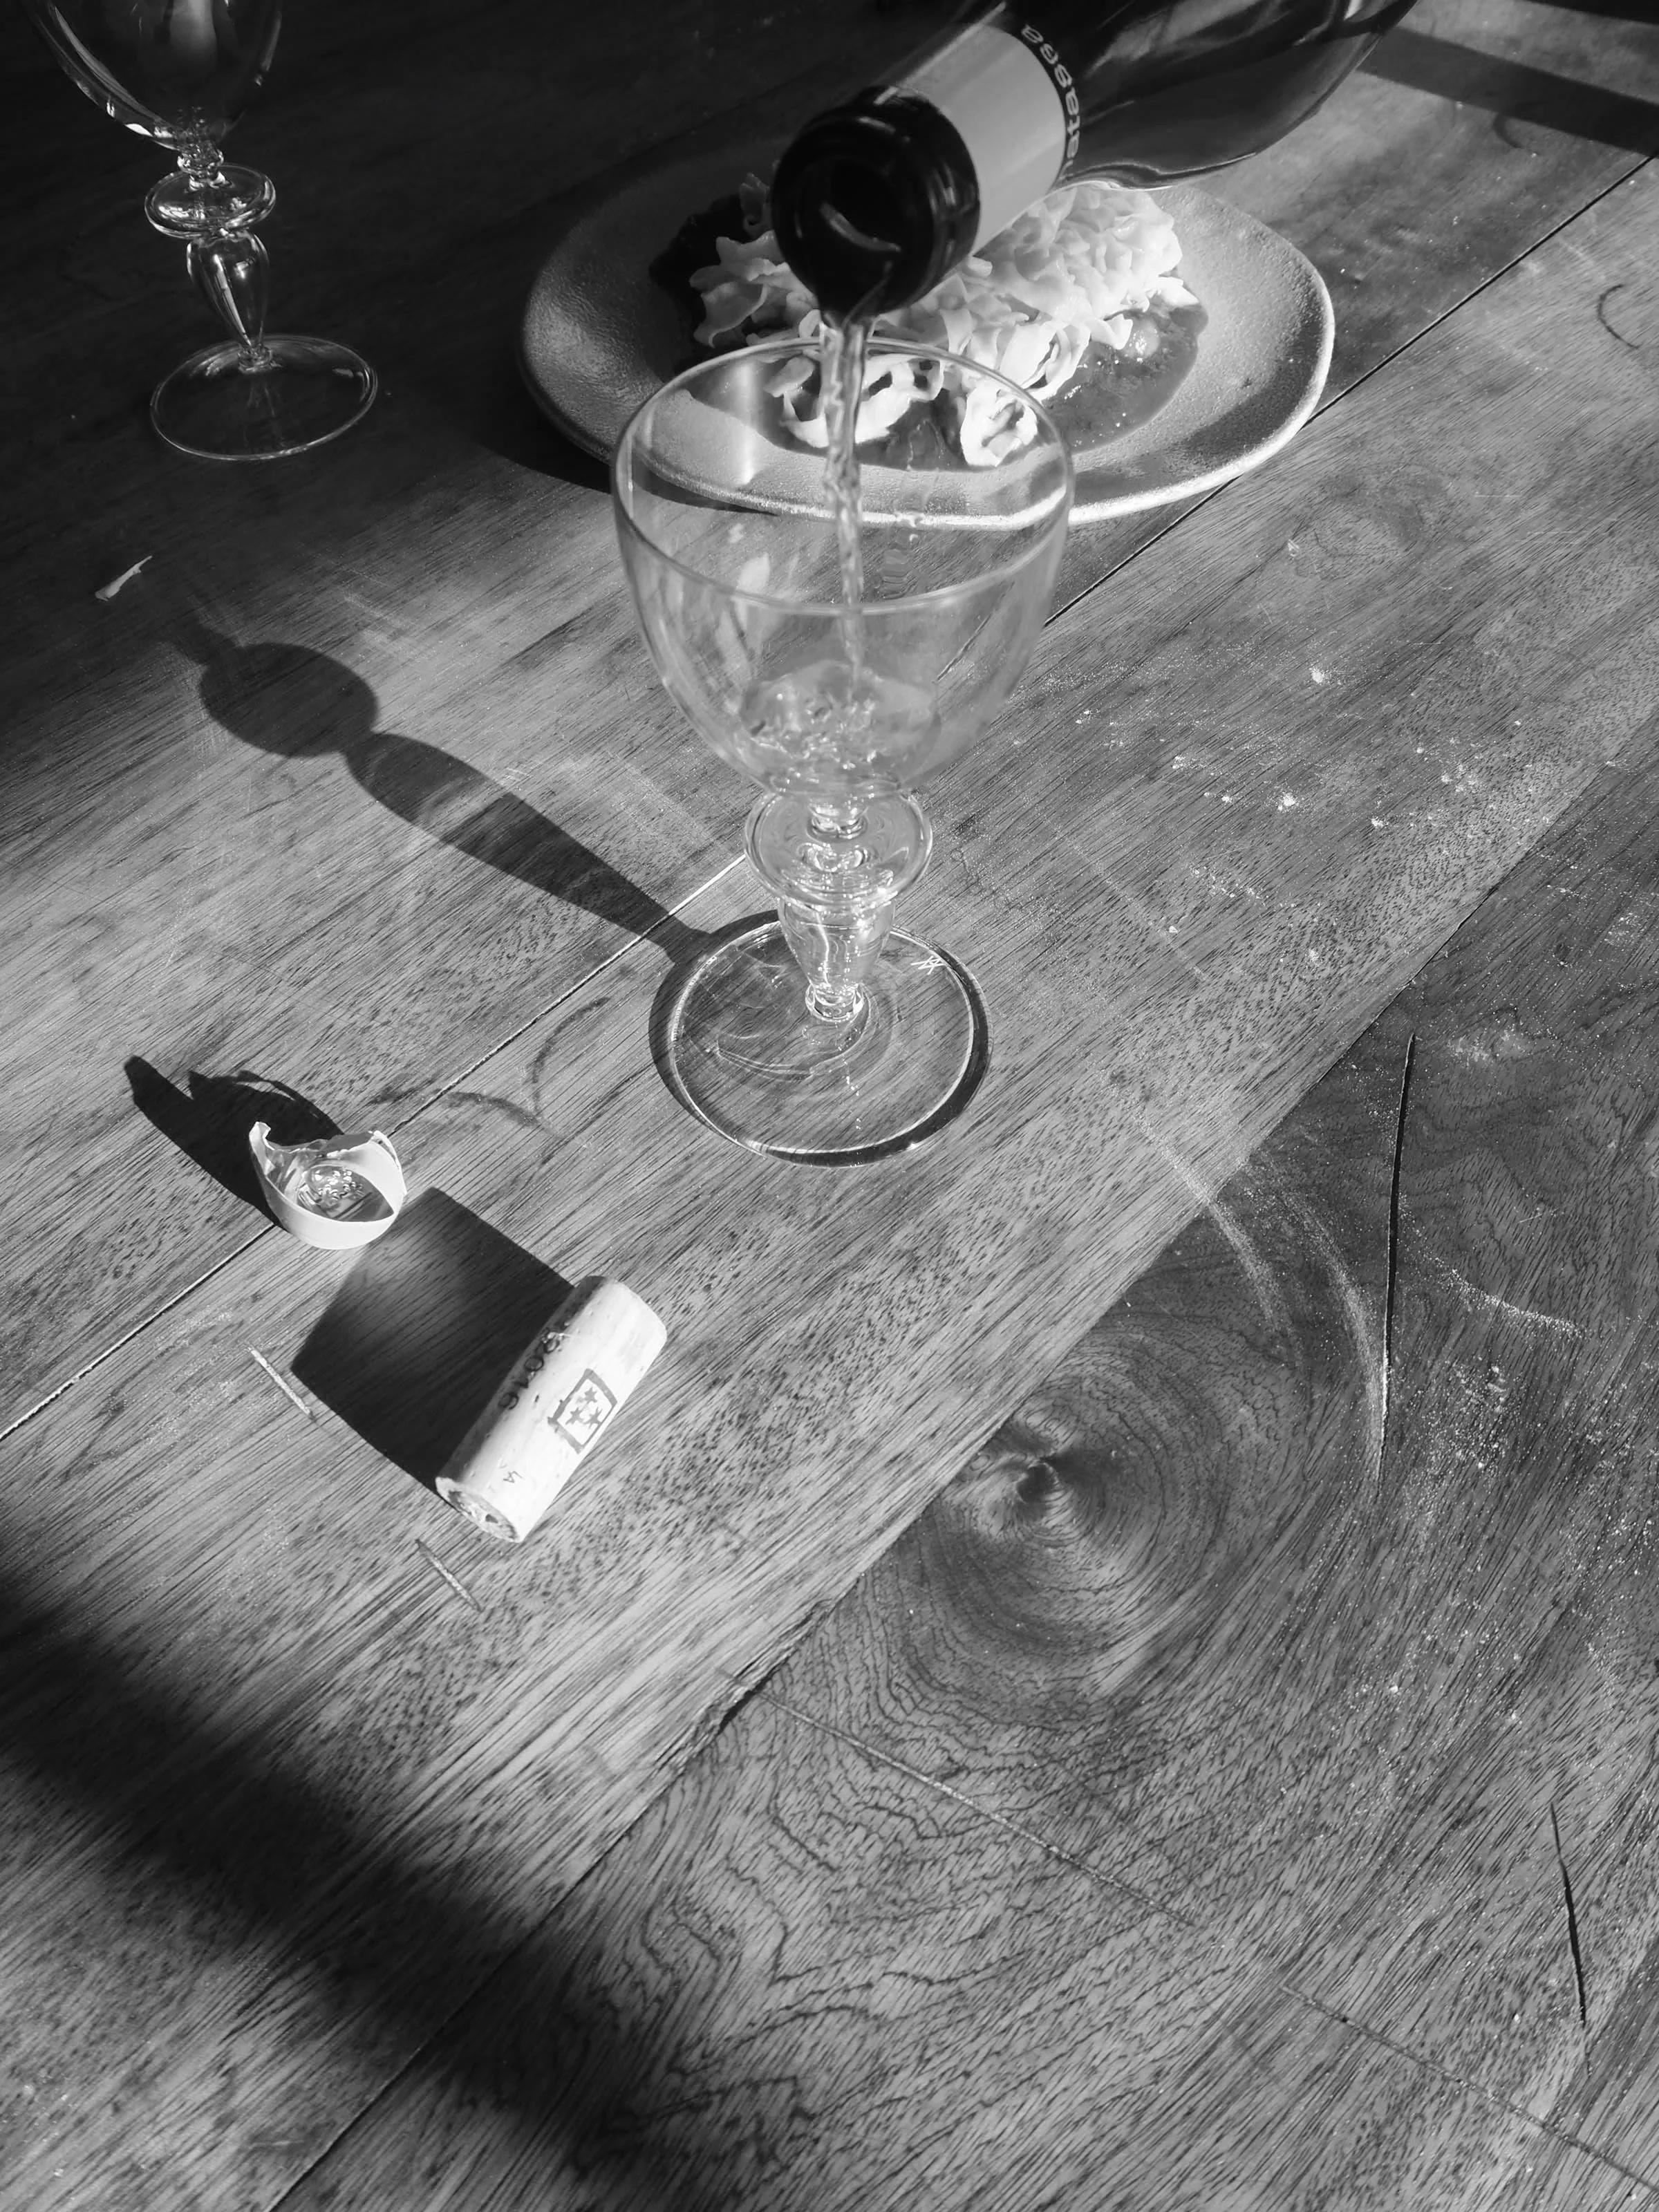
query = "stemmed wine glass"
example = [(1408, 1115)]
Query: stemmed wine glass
[(826, 1034), (181, 71)]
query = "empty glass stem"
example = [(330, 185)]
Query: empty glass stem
[(835, 952), (203, 198), (232, 274), (836, 867)]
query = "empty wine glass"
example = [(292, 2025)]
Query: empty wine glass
[(180, 71), (826, 1034)]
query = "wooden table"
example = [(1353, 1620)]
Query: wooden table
[(1237, 1785)]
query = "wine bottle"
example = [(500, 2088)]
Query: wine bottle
[(874, 201)]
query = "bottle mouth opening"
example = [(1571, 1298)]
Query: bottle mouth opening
[(834, 218), (869, 213), (847, 235)]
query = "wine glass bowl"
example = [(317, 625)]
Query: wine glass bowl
[(180, 72), (825, 1035)]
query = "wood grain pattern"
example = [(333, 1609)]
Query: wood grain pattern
[(806, 1980), (1182, 1811), (396, 691), (312, 1793)]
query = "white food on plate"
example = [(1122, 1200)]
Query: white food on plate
[(1073, 270)]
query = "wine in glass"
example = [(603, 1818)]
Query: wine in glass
[(180, 71), (839, 680)]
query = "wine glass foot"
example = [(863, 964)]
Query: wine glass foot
[(226, 403), (741, 1050)]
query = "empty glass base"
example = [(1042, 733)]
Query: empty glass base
[(741, 1049), (226, 403)]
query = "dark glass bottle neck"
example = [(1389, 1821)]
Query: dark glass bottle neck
[(874, 203)]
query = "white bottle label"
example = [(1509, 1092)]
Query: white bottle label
[(1013, 102)]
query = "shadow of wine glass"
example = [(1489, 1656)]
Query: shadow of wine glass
[(297, 703)]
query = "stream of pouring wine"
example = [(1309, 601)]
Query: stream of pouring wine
[(844, 348)]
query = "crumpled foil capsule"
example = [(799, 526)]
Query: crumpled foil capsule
[(335, 1192)]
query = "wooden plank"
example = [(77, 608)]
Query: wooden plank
[(311, 1792), (1183, 1811), (1617, 2105), (341, 875), (342, 692), (809, 1980)]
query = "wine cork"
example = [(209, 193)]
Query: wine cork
[(556, 1398)]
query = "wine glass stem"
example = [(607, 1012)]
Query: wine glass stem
[(836, 943), (232, 274), (835, 950), (202, 162), (836, 867)]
